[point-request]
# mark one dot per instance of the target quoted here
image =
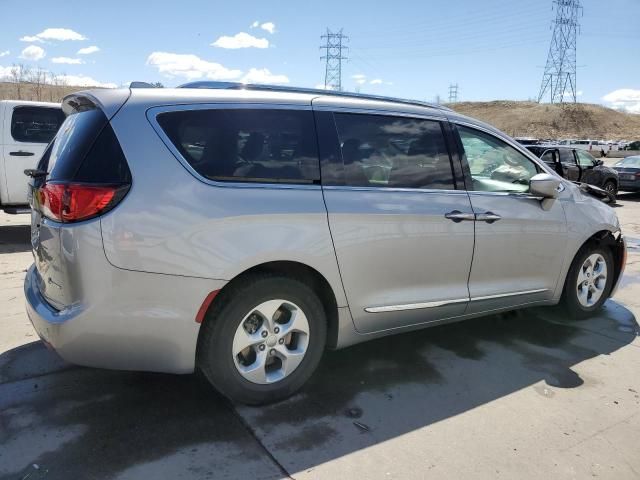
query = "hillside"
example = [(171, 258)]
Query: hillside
[(529, 119)]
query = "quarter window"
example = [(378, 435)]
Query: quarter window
[(495, 166), (35, 124), (398, 152), (261, 145)]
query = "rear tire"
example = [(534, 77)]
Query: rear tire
[(588, 282), (263, 340)]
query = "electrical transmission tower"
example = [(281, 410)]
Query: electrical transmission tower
[(453, 93), (333, 55), (559, 79)]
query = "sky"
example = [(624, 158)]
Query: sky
[(493, 49)]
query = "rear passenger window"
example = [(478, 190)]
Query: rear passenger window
[(566, 156), (35, 124), (271, 146), (399, 152)]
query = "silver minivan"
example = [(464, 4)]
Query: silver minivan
[(242, 230)]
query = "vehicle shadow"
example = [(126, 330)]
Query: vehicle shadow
[(630, 196), (107, 422), (15, 238)]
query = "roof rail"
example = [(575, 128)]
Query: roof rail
[(316, 91)]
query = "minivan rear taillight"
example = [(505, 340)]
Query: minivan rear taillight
[(73, 202)]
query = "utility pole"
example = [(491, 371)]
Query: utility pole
[(333, 48), (453, 93), (559, 78)]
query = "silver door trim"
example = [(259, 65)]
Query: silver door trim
[(414, 306), (442, 303), (511, 294)]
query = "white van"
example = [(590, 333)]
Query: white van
[(25, 130)]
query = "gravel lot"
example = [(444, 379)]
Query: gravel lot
[(523, 395)]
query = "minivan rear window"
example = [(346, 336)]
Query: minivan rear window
[(247, 145), (86, 150)]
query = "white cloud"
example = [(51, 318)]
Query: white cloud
[(67, 60), (241, 40), (5, 73), (190, 67), (33, 52), (5, 53), (88, 50), (269, 27), (627, 99), (84, 81), (376, 81), (263, 75), (31, 38), (358, 76), (59, 34)]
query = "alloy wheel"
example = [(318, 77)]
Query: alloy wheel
[(270, 341)]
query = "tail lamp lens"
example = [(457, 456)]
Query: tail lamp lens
[(73, 202)]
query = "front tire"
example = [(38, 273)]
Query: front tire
[(589, 281), (263, 340), (610, 187)]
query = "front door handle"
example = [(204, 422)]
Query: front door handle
[(488, 217), (457, 216), (21, 153)]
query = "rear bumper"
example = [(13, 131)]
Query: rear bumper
[(143, 322)]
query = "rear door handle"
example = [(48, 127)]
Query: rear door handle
[(457, 216), (21, 153), (488, 217)]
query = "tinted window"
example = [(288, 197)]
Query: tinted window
[(35, 124), (495, 166), (566, 156), (246, 145), (86, 150), (385, 151)]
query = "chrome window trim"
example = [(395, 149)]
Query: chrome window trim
[(441, 303), (152, 116), (379, 111), (431, 191)]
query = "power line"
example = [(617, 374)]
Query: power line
[(333, 55), (559, 78), (453, 93)]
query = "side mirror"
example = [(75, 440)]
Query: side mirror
[(544, 185), (599, 162)]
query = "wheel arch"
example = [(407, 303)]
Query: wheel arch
[(297, 270), (613, 240)]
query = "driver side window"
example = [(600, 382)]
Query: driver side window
[(495, 166), (584, 159)]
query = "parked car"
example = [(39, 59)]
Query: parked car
[(632, 145), (243, 229), (578, 166), (629, 172), (25, 130)]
